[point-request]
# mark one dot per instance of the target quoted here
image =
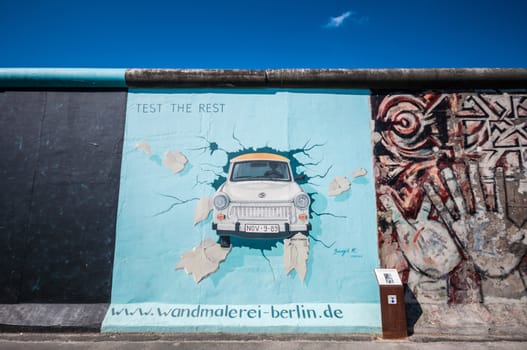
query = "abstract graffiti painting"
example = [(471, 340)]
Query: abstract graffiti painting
[(451, 181)]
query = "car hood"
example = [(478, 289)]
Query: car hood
[(251, 191)]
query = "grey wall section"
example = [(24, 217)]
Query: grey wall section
[(407, 79), (60, 156)]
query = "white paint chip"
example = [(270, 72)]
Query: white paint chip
[(339, 185), (203, 260), (175, 161), (203, 208), (522, 187), (143, 146), (296, 252), (359, 172)]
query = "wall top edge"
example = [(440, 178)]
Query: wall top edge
[(62, 78), (411, 79)]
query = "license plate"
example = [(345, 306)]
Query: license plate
[(262, 228)]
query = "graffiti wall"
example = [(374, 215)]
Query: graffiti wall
[(255, 210), (451, 187), (247, 211)]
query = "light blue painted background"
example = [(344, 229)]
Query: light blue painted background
[(148, 247)]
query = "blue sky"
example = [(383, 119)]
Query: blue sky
[(254, 34)]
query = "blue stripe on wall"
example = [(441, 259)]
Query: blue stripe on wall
[(62, 77)]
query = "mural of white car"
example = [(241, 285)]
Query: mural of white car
[(260, 199)]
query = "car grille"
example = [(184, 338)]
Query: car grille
[(257, 212)]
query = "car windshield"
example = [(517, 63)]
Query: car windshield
[(266, 170)]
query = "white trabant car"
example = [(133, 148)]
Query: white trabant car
[(260, 200)]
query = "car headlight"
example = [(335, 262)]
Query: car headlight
[(302, 201), (221, 201)]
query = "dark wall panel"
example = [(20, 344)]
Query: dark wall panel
[(20, 122), (63, 240)]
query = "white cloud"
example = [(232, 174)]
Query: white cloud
[(335, 22)]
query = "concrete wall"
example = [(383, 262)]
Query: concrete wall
[(448, 159)]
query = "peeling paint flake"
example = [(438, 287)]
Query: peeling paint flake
[(359, 172), (203, 260), (143, 146), (296, 253), (522, 187), (202, 210), (175, 161), (339, 185)]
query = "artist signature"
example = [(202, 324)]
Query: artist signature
[(351, 252)]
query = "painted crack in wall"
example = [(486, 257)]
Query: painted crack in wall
[(205, 258), (450, 180)]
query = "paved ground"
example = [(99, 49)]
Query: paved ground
[(47, 341)]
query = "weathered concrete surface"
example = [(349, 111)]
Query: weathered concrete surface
[(481, 320), (148, 341), (448, 78), (82, 317), (195, 78)]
